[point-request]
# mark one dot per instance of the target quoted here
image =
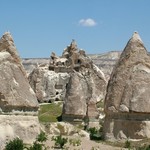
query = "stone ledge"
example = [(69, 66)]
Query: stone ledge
[(117, 129), (129, 116)]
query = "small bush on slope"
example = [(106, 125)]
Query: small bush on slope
[(15, 144), (59, 141)]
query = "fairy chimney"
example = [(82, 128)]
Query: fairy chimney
[(128, 94)]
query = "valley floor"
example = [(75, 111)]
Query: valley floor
[(86, 144)]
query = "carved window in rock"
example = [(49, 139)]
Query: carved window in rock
[(51, 68), (78, 61), (58, 86)]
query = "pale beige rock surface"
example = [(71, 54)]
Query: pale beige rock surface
[(17, 98), (74, 78), (48, 85), (86, 87), (127, 100), (15, 91), (24, 127)]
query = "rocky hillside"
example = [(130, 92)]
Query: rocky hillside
[(104, 61)]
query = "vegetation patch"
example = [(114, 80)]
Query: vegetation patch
[(95, 134), (50, 112), (18, 144), (59, 141), (100, 104)]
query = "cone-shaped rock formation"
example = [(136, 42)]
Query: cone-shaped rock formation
[(18, 102), (86, 87), (15, 91), (128, 94)]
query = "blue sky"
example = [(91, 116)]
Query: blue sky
[(98, 26)]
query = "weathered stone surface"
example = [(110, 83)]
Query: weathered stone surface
[(76, 97), (105, 62), (15, 91), (16, 96), (85, 88), (65, 128), (127, 100), (24, 127), (48, 85)]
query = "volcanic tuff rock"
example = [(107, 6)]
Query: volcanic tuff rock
[(16, 95), (48, 85), (105, 62), (75, 72), (127, 100), (85, 88), (31, 63)]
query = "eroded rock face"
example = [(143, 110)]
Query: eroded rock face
[(15, 91), (85, 88), (16, 95), (49, 81), (48, 85), (127, 100)]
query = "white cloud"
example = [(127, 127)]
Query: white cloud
[(87, 22)]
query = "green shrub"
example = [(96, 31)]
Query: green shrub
[(36, 146), (59, 141), (127, 144), (94, 134), (15, 144), (42, 137), (100, 104)]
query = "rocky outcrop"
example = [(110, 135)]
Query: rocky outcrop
[(85, 88), (105, 62), (127, 100), (48, 85), (65, 128), (49, 81), (16, 95), (73, 78)]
